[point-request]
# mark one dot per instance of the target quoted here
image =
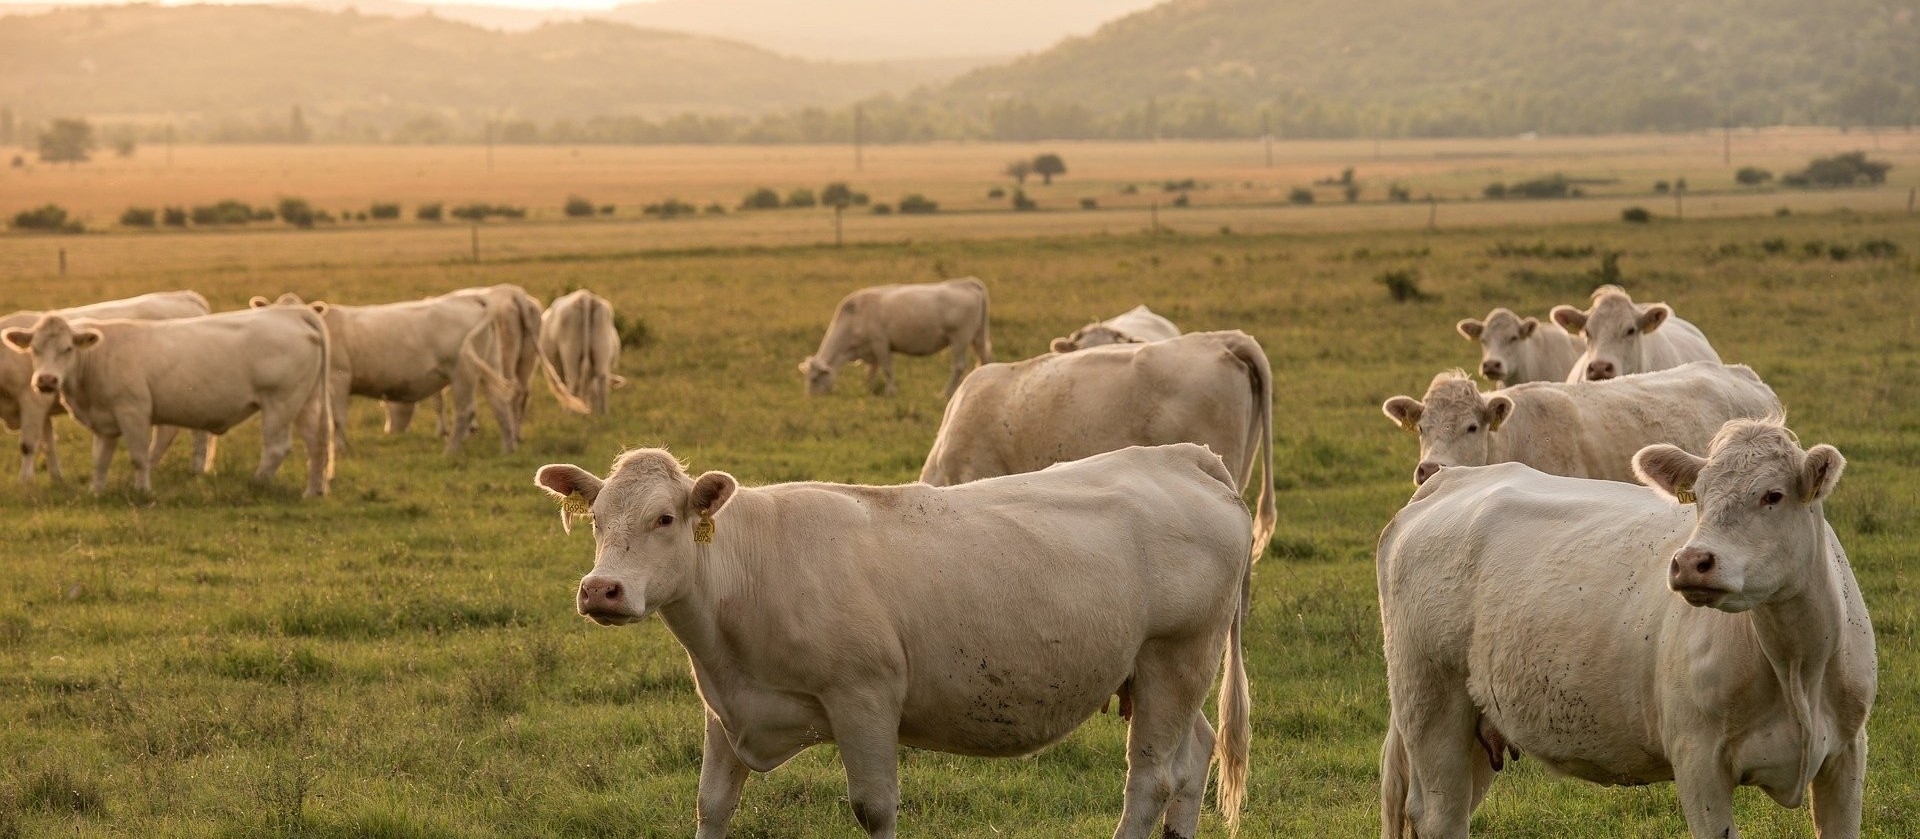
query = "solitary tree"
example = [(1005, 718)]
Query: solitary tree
[(68, 141), (839, 196), (1019, 170), (1048, 165)]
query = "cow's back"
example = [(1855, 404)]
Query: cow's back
[(1592, 429), (1677, 342), (404, 351), (923, 319)]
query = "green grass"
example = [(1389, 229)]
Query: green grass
[(402, 659)]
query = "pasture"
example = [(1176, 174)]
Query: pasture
[(402, 659)]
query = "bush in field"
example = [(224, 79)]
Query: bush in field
[(174, 216), (606, 209), (996, 192), (51, 218), (715, 209), (1089, 204), (429, 212), (471, 212), (1300, 195), (883, 209), (384, 211), (225, 212), (837, 195), (1182, 200), (1399, 194), (1636, 215), (263, 214), (138, 217), (917, 204), (1847, 169), (801, 197), (763, 198), (1021, 202), (1495, 190), (1752, 176), (299, 213), (1402, 285), (1555, 185), (670, 208), (577, 207)]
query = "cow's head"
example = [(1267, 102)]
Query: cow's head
[(55, 346), (1503, 338), (1456, 423), (818, 375), (1613, 328), (1759, 529), (648, 517), (287, 299), (1092, 335)]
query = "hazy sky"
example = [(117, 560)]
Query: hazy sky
[(517, 4)]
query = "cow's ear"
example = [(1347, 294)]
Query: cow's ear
[(1470, 329), (1669, 469), (1652, 315), (319, 307), (575, 487), (1571, 319), (711, 492), (617, 381), (1499, 407), (1062, 345), (1820, 473), (1528, 326), (84, 338), (18, 340), (1404, 411), (258, 302)]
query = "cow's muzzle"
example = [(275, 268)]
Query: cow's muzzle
[(603, 600), (46, 383), (1691, 575)]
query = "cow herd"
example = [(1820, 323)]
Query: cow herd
[(1615, 562)]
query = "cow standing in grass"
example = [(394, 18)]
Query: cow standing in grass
[(989, 619), (1624, 337), (872, 324), (1516, 350), (579, 348)]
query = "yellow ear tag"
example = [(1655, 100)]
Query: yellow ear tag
[(1410, 426), (1684, 495), (576, 504), (703, 529)]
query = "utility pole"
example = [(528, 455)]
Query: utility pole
[(1266, 134), (63, 262)]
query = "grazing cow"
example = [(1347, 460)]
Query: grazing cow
[(1708, 631), (406, 352), (120, 378), (1213, 388), (1578, 429), (989, 619), (1138, 325), (32, 412), (1624, 337), (516, 329), (874, 323), (578, 350), (1514, 351)]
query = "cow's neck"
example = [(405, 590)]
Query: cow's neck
[(728, 576), (1798, 631)]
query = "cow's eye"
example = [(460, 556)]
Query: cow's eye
[(1473, 429), (664, 521), (1773, 497), (1631, 330)]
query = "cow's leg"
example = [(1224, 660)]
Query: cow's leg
[(1190, 781), (205, 446), (883, 368), (867, 730), (722, 776), (463, 409), (338, 390), (276, 435), (1706, 791), (959, 368), (1440, 731), (36, 431), (1169, 683), (50, 444), (162, 441), (103, 447), (399, 416), (502, 407), (1836, 792), (138, 431), (312, 425)]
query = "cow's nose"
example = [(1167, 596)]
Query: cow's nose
[(1425, 470), (599, 594), (1600, 370), (45, 383), (1492, 369)]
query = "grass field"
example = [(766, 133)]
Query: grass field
[(403, 660)]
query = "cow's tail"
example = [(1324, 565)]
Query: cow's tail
[(982, 337), (558, 384), (1260, 435), (1230, 748), (472, 349), (1394, 784), (324, 392)]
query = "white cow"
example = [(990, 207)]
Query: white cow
[(989, 619), (120, 378), (1213, 388), (872, 324), (1579, 429), (1622, 636), (1624, 338), (1138, 325), (579, 348), (1515, 350), (406, 352), (32, 412), (516, 321)]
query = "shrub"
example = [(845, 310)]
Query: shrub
[(138, 217), (471, 212), (577, 207), (1182, 200), (1636, 215), (1662, 187), (1021, 202), (918, 204), (429, 212), (1752, 176), (359, 216), (606, 209), (1351, 190), (1089, 204), (1495, 190), (1879, 248), (1774, 246), (996, 192), (1402, 285), (801, 197), (1555, 185), (174, 216), (1300, 195), (383, 211), (670, 208), (225, 212), (763, 198), (1130, 189), (50, 217), (633, 333), (882, 209), (1847, 169), (508, 211), (297, 212), (263, 214), (1399, 194), (1179, 185), (837, 195), (715, 209)]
